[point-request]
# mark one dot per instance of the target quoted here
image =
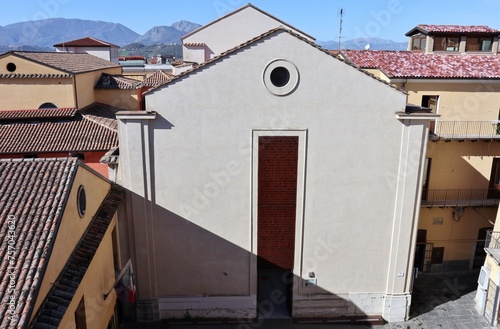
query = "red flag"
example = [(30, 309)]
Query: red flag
[(131, 292)]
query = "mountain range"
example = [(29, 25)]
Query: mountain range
[(43, 34)]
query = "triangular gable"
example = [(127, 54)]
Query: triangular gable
[(86, 42), (268, 34), (246, 7), (25, 66), (52, 63)]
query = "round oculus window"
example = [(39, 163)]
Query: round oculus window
[(11, 67), (81, 201), (281, 77)]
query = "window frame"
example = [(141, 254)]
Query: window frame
[(447, 44)]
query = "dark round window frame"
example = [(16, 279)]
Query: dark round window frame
[(11, 67), (81, 201), (281, 77)]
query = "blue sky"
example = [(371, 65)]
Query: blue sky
[(387, 19)]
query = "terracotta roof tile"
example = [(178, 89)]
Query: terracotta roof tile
[(462, 29), (80, 133), (194, 44), (32, 200), (407, 64), (85, 42), (116, 82), (157, 79), (61, 293), (38, 114), (102, 114), (68, 62), (35, 76)]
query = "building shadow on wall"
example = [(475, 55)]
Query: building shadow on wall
[(186, 260)]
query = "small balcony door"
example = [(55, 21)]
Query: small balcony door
[(494, 187)]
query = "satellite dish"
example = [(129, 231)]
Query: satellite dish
[(367, 46)]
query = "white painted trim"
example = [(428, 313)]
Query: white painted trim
[(208, 307), (135, 115)]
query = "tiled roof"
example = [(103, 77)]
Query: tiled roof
[(80, 133), (86, 42), (69, 62), (102, 114), (38, 114), (111, 157), (194, 44), (54, 306), (116, 82), (254, 40), (157, 79), (35, 76), (462, 29), (408, 64), (32, 200), (181, 63)]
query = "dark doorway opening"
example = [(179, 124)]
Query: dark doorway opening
[(277, 196)]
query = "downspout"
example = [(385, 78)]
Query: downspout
[(75, 91)]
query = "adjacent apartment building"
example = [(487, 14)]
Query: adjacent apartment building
[(455, 72), (268, 183)]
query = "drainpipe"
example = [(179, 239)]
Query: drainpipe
[(75, 91)]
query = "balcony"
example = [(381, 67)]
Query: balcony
[(492, 245), (460, 198), (465, 130)]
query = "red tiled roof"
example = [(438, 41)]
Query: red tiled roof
[(462, 29), (102, 114), (33, 193), (38, 114), (35, 76), (116, 82), (86, 42), (194, 44), (68, 62), (61, 293), (407, 64), (157, 79), (80, 133)]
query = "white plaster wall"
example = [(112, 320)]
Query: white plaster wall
[(355, 192), (235, 29)]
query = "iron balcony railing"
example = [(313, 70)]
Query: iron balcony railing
[(465, 130), (492, 240), (460, 197)]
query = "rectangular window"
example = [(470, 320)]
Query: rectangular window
[(80, 316), (430, 101), (494, 186), (446, 43), (478, 44), (418, 42), (425, 181), (437, 255)]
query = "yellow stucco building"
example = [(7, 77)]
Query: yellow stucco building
[(59, 245)]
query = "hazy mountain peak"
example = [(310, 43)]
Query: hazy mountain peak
[(185, 26)]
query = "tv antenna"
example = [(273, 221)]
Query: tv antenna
[(340, 29)]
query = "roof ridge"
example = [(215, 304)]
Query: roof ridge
[(248, 5), (90, 117), (258, 38)]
